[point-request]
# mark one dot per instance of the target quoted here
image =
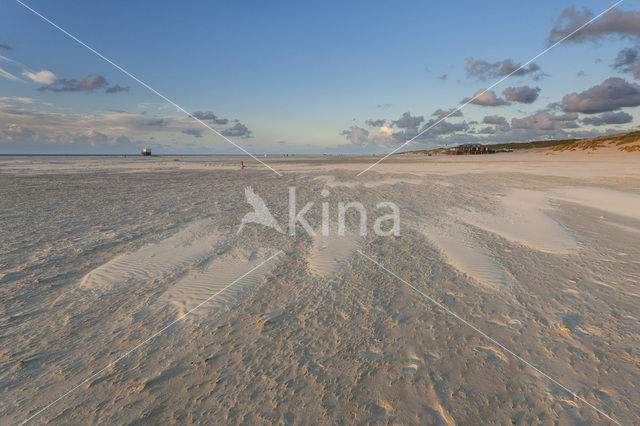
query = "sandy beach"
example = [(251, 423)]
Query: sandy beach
[(539, 250)]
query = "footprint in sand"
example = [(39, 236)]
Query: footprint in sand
[(374, 354), (381, 409), (412, 365), (494, 356), (432, 357)]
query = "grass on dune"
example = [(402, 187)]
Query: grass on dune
[(628, 142)]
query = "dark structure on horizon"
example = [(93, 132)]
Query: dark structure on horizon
[(470, 149), (146, 151)]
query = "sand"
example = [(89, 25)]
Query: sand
[(521, 218), (196, 286), (607, 200), (164, 259), (331, 252), (461, 251), (539, 251)]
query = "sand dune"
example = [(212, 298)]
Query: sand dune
[(189, 266), (623, 227), (614, 202), (165, 259), (460, 250), (198, 285), (521, 218)]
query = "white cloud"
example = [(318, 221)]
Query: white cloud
[(43, 130), (8, 75), (484, 98), (5, 59), (384, 131), (23, 100), (17, 99), (384, 136), (356, 135), (42, 77)]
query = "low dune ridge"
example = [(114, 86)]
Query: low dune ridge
[(521, 217), (160, 260), (222, 279), (611, 201), (459, 249)]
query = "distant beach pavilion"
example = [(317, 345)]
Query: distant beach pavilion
[(470, 149)]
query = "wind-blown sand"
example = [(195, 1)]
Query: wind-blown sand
[(331, 252), (540, 252), (461, 251), (607, 200), (198, 285), (522, 218), (157, 261)]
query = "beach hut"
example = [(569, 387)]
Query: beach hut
[(146, 151), (470, 149)]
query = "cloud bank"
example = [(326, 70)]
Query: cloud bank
[(484, 70), (91, 83), (612, 94), (615, 23)]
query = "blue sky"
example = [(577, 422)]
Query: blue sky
[(306, 77)]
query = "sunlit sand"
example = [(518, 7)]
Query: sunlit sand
[(540, 251)]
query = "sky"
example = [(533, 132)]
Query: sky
[(321, 77)]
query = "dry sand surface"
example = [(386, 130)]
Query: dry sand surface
[(539, 251)]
